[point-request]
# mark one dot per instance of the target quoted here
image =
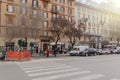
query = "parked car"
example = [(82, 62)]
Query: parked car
[(116, 51), (65, 51), (0, 54), (100, 51), (89, 52), (106, 51), (77, 50)]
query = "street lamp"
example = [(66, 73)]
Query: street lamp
[(84, 23), (100, 38)]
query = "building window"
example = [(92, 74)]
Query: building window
[(63, 17), (45, 14), (10, 8), (78, 15), (62, 1), (23, 10), (34, 3), (45, 5), (69, 2), (10, 0), (45, 24), (54, 0), (70, 19), (54, 8), (62, 9), (9, 19), (23, 1), (34, 13), (69, 11), (54, 16), (45, 33)]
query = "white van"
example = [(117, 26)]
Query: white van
[(77, 50)]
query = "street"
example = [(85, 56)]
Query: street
[(104, 67)]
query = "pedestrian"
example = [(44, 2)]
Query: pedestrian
[(41, 53), (47, 52), (55, 52), (3, 55)]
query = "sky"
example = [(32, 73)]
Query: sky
[(113, 5)]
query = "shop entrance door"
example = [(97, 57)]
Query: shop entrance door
[(45, 46)]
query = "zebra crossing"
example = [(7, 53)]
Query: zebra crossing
[(57, 71)]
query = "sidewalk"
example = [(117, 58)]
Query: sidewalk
[(37, 56)]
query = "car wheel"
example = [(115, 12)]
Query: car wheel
[(76, 54), (86, 54), (95, 54)]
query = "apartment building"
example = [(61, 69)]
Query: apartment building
[(10, 10), (100, 23)]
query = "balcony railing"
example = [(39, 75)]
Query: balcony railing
[(46, 0), (54, 11)]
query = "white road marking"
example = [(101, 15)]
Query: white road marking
[(63, 75), (40, 60), (115, 79), (39, 64), (90, 77), (46, 69), (52, 72), (43, 67)]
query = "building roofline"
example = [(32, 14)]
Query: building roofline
[(97, 9)]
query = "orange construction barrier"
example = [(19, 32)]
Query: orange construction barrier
[(25, 56), (12, 55)]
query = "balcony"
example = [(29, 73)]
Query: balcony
[(45, 0), (55, 11)]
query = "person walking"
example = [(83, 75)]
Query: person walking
[(47, 52), (55, 52), (41, 53), (3, 55)]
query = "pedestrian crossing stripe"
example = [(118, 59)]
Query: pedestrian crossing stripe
[(90, 77), (53, 72), (46, 69), (41, 64), (56, 71), (40, 60), (30, 68), (61, 75)]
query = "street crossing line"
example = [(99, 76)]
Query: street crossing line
[(41, 64), (53, 72), (46, 69), (63, 75), (56, 70), (43, 67), (115, 79), (90, 77), (41, 60)]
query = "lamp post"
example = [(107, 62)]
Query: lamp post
[(100, 38), (84, 23)]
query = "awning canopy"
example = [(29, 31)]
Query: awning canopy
[(58, 43)]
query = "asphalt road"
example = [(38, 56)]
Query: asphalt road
[(105, 67)]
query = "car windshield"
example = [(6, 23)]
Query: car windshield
[(86, 49), (91, 49), (76, 49)]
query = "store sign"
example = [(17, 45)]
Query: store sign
[(9, 43)]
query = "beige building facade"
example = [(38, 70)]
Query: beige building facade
[(100, 23), (9, 13)]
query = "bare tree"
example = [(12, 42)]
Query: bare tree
[(81, 29), (10, 33), (117, 35), (71, 33), (57, 28), (30, 20)]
